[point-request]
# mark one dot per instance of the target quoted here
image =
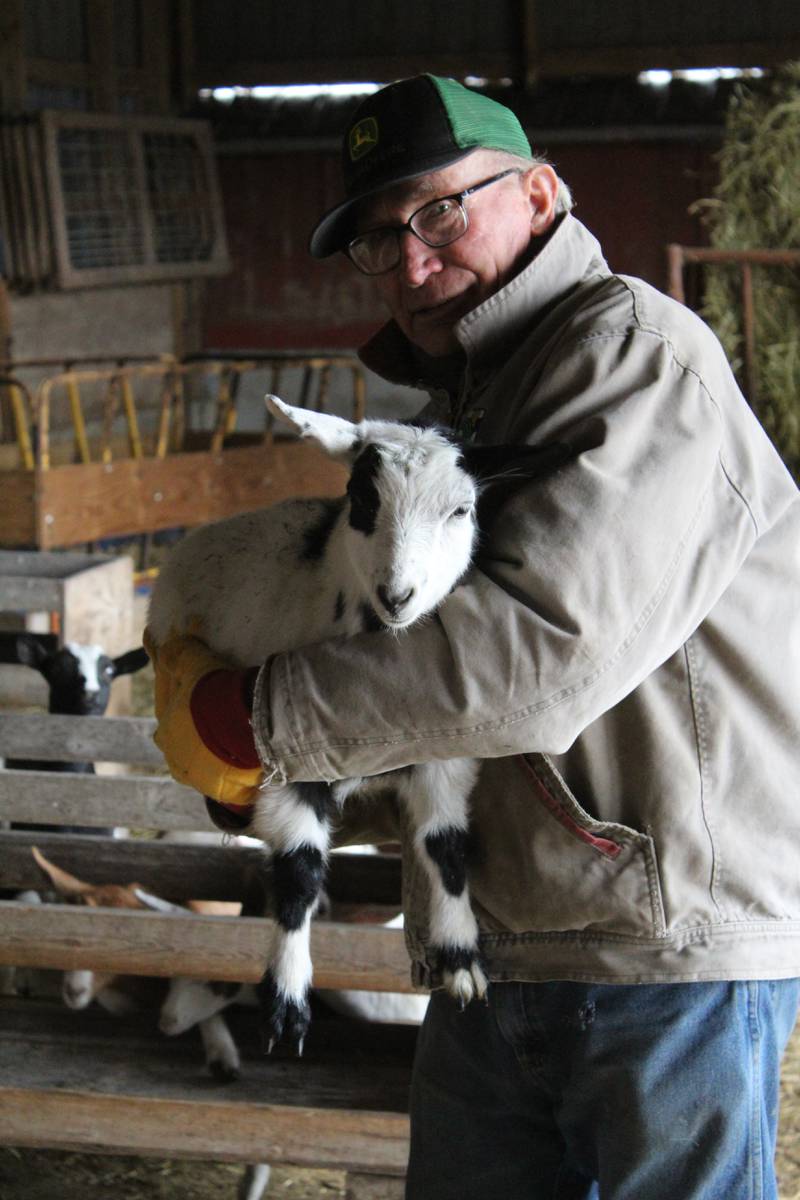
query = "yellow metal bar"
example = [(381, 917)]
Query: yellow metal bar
[(78, 423), (18, 393), (109, 412), (224, 405), (129, 405)]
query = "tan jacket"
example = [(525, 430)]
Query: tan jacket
[(625, 657)]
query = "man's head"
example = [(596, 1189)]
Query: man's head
[(443, 200)]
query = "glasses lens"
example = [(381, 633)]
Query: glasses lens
[(374, 253), (440, 222)]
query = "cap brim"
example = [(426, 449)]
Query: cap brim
[(337, 227)]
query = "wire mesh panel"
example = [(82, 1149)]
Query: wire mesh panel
[(131, 199), (183, 221), (103, 216)]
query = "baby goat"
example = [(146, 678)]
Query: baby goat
[(377, 559), (79, 679)]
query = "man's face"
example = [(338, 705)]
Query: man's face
[(433, 287)]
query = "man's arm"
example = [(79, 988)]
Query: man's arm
[(590, 580)]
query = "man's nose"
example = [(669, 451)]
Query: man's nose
[(417, 260)]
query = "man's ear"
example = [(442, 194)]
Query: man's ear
[(337, 437), (542, 184)]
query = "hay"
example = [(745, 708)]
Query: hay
[(755, 206)]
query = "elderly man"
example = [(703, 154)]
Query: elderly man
[(624, 660)]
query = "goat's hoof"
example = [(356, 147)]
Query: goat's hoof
[(465, 979), (224, 1072), (282, 1018)]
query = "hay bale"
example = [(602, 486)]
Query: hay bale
[(755, 206)]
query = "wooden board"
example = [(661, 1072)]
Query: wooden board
[(79, 739), (183, 872), (76, 503), (130, 942), (86, 1081)]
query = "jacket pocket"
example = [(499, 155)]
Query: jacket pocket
[(545, 865)]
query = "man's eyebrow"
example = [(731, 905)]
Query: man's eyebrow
[(416, 193)]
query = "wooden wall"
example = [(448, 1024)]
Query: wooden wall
[(633, 195)]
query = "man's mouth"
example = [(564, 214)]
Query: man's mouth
[(438, 308)]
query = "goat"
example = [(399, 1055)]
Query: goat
[(377, 560), (79, 679), (121, 994)]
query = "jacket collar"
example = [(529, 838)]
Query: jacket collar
[(489, 331)]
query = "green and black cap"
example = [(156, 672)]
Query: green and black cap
[(408, 129)]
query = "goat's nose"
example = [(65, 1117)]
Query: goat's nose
[(393, 602)]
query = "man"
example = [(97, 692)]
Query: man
[(624, 662)]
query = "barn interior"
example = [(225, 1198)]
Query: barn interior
[(162, 164)]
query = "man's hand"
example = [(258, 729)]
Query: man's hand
[(203, 707)]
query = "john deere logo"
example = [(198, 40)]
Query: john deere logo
[(363, 137)]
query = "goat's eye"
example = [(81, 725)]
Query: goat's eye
[(463, 510)]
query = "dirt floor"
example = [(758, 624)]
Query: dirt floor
[(49, 1174)]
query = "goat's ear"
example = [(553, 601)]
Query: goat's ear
[(65, 884), (133, 660), (334, 435), (513, 463), (28, 649)]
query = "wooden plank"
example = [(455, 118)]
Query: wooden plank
[(18, 523), (82, 1081), (136, 801), (86, 501), (79, 739), (180, 872), (130, 942)]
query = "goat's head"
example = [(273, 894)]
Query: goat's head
[(79, 677), (80, 987), (411, 509)]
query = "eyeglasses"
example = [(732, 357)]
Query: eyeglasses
[(437, 223)]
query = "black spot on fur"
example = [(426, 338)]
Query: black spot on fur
[(448, 849), (298, 877), (317, 535), (370, 620), (362, 492), (317, 796), (339, 611), (455, 958), (281, 1017)]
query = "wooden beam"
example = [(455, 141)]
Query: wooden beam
[(79, 739), (180, 871), (129, 942), (12, 57), (91, 1082)]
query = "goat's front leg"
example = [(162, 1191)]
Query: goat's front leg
[(295, 822), (437, 796)]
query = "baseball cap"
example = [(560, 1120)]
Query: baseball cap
[(405, 130)]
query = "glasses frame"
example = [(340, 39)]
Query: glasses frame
[(408, 226)]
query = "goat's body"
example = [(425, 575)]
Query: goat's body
[(307, 570), (256, 584)]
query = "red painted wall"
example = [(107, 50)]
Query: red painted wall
[(634, 196)]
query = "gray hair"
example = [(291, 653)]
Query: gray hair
[(564, 201)]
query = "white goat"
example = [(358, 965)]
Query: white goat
[(378, 559)]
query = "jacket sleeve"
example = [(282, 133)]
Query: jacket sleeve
[(589, 580)]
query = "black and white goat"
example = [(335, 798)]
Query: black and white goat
[(378, 559), (79, 679)]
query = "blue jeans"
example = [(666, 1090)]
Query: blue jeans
[(567, 1091)]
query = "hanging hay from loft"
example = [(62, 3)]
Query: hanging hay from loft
[(756, 205)]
